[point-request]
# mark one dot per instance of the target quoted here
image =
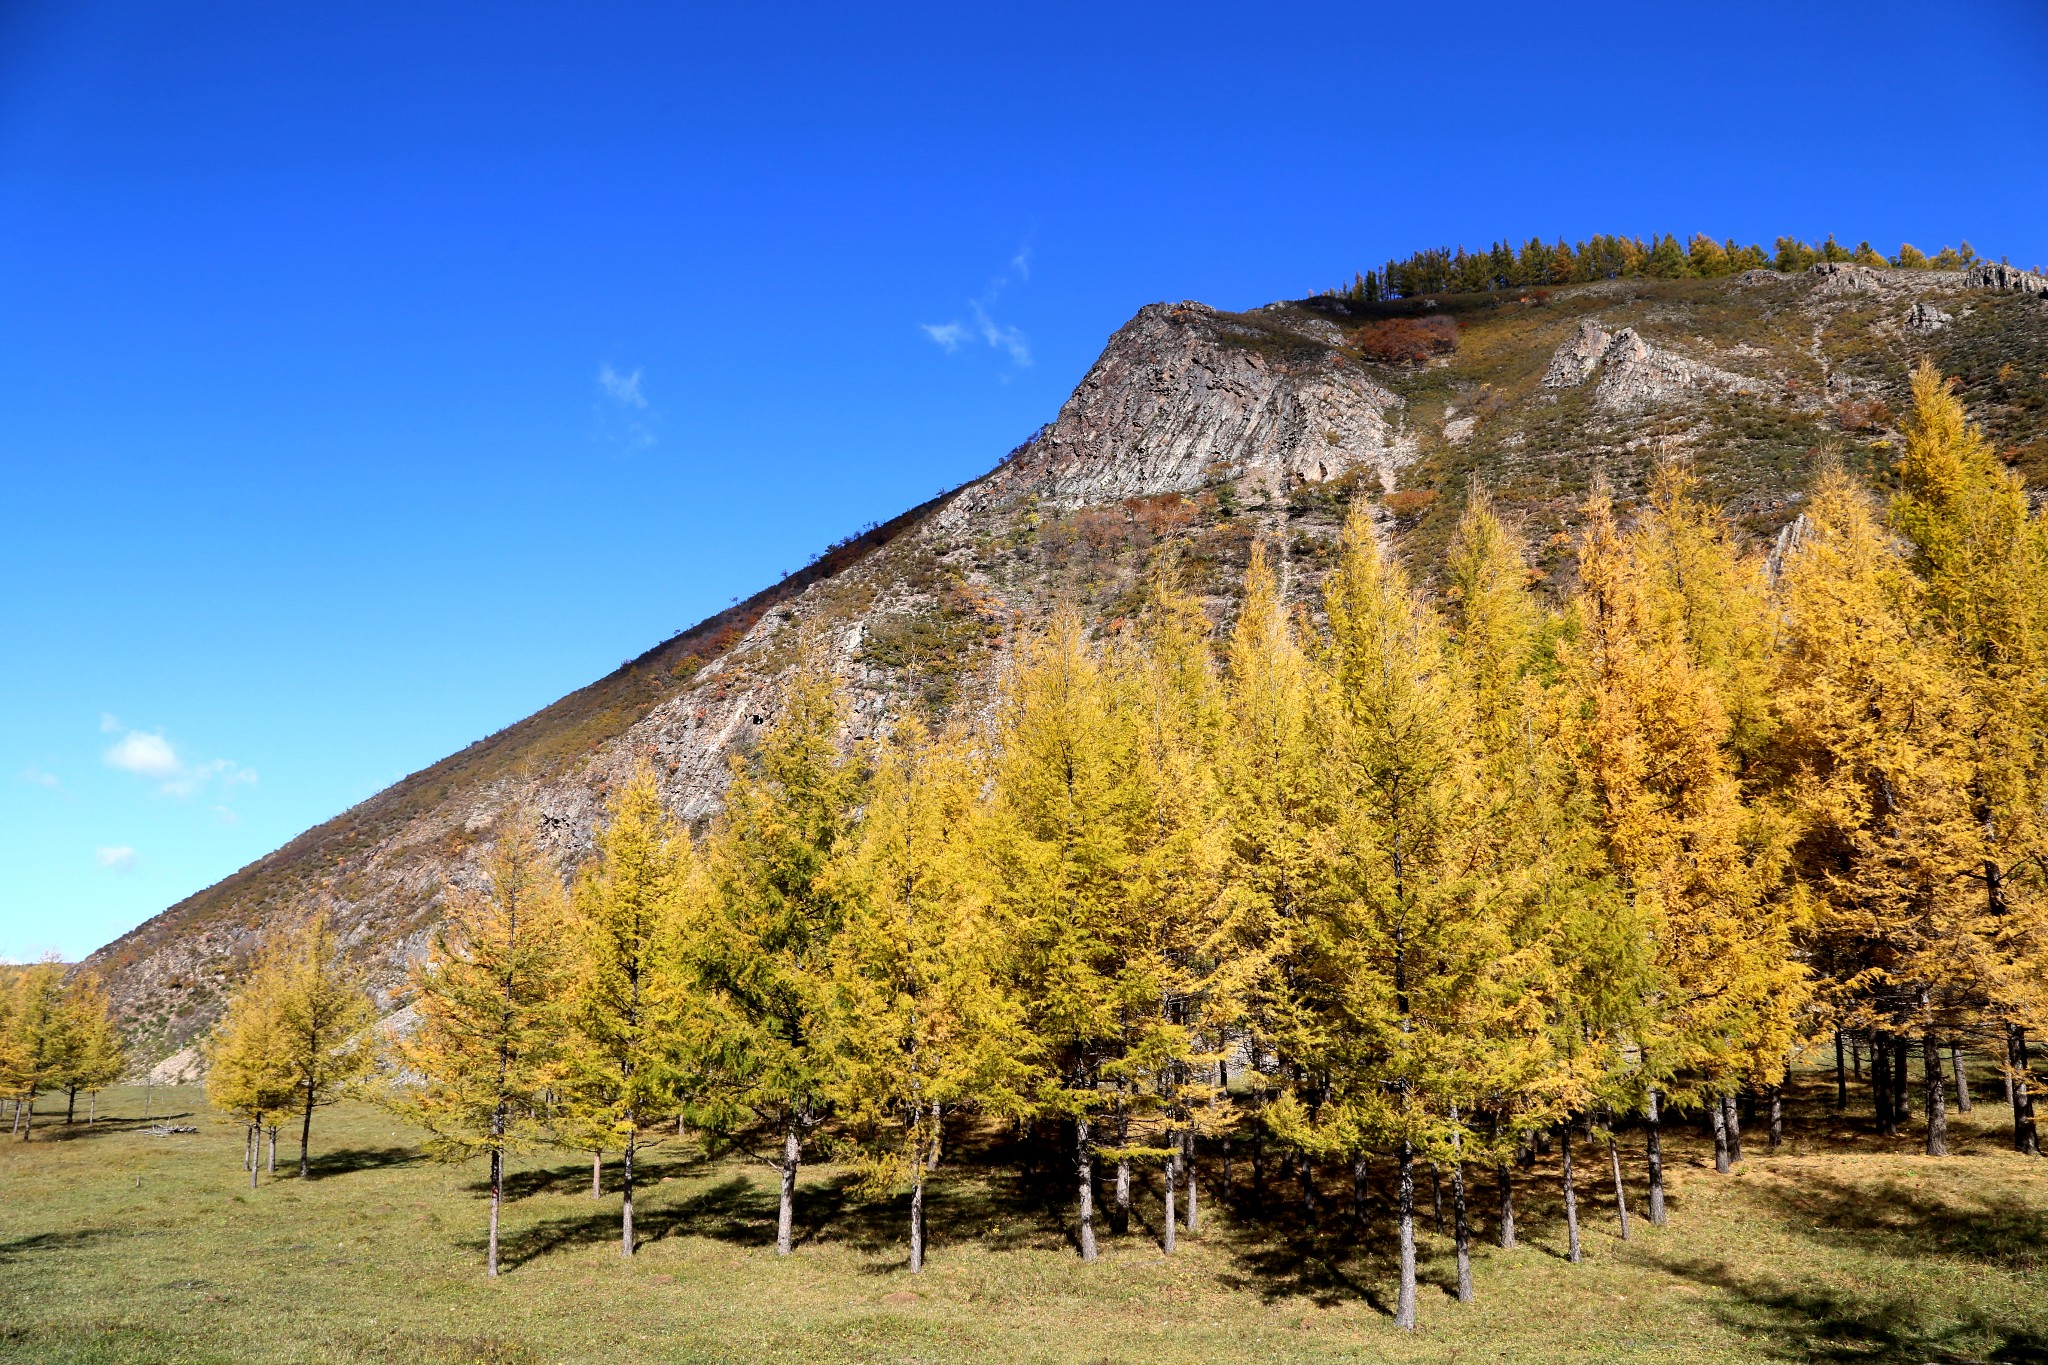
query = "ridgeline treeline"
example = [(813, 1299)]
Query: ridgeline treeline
[(1536, 264), (1420, 881)]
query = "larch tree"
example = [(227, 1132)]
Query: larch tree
[(763, 956), (94, 1056), (1983, 556), (921, 1023), (36, 1044), (619, 1078), (491, 1000), (326, 1023), (248, 1067), (1059, 863), (1877, 746)]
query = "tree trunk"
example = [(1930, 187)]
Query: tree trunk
[(597, 1173), (1462, 1230), (1734, 1112), (1881, 1086), (1168, 1243), (625, 1208), (1902, 1088), (1187, 1144), (28, 1118), (1404, 1307), (497, 1197), (1653, 1144), (916, 1217), (1224, 1191), (271, 1165), (70, 1106), (1305, 1173), (92, 1104), (249, 1147), (785, 1217), (2024, 1136), (306, 1136), (253, 1163), (1571, 1197), (1120, 1210), (1856, 1057), (1717, 1115), (1955, 1058), (1505, 1175), (1777, 1129), (1436, 1194), (1937, 1095), (1358, 1173), (1841, 1075), (1084, 1158), (1620, 1189)]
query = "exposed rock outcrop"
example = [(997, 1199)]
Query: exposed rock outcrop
[(2005, 278), (1574, 362), (1632, 372), (1924, 317)]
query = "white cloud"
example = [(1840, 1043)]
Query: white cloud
[(115, 858), (623, 389), (42, 779), (145, 755), (152, 756), (999, 336)]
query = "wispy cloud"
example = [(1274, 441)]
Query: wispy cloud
[(624, 417), (984, 326), (115, 857), (40, 778), (152, 757)]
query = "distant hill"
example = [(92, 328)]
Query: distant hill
[(1206, 430)]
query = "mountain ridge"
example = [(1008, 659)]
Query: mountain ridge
[(1199, 428)]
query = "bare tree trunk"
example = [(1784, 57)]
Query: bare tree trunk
[(1937, 1095), (1172, 1202), (597, 1173), (70, 1106), (1653, 1143), (1436, 1193), (785, 1216), (1305, 1173), (1881, 1086), (1084, 1157), (1717, 1114), (2024, 1136), (249, 1147), (626, 1247), (28, 1119), (1902, 1087), (92, 1105), (253, 1163), (1777, 1115), (1194, 1184), (1505, 1175), (1462, 1225), (271, 1161), (1856, 1056), (1120, 1210), (1734, 1113), (306, 1136), (1620, 1189), (1358, 1174), (1571, 1196), (1404, 1307), (1955, 1058), (916, 1216), (497, 1197), (1841, 1075)]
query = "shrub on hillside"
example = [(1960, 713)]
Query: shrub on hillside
[(1407, 339)]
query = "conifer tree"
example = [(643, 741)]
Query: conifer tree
[(248, 1067), (1984, 559), (93, 1054), (491, 998), (325, 1020), (35, 1046), (922, 1026), (620, 1066), (764, 955), (1060, 860), (1879, 723)]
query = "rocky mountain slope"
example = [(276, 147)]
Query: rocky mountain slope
[(1196, 428)]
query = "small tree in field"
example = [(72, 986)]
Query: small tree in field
[(34, 1042), (491, 1000), (248, 1074), (93, 1055), (325, 1020)]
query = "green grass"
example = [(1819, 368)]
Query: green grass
[(116, 1246)]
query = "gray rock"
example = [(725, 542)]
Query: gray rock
[(1635, 374), (1925, 317), (2005, 278), (1574, 362)]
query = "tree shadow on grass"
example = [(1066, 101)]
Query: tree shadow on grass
[(1910, 1221), (347, 1160), (1818, 1324), (574, 1178), (19, 1247), (56, 1130), (733, 1210)]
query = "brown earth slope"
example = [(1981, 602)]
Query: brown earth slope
[(1199, 430)]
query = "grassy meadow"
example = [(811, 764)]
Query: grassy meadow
[(120, 1246)]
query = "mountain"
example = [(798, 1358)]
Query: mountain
[(1200, 432)]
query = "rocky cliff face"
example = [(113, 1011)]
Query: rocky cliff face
[(1199, 429)]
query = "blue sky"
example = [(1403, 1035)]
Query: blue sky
[(370, 375)]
